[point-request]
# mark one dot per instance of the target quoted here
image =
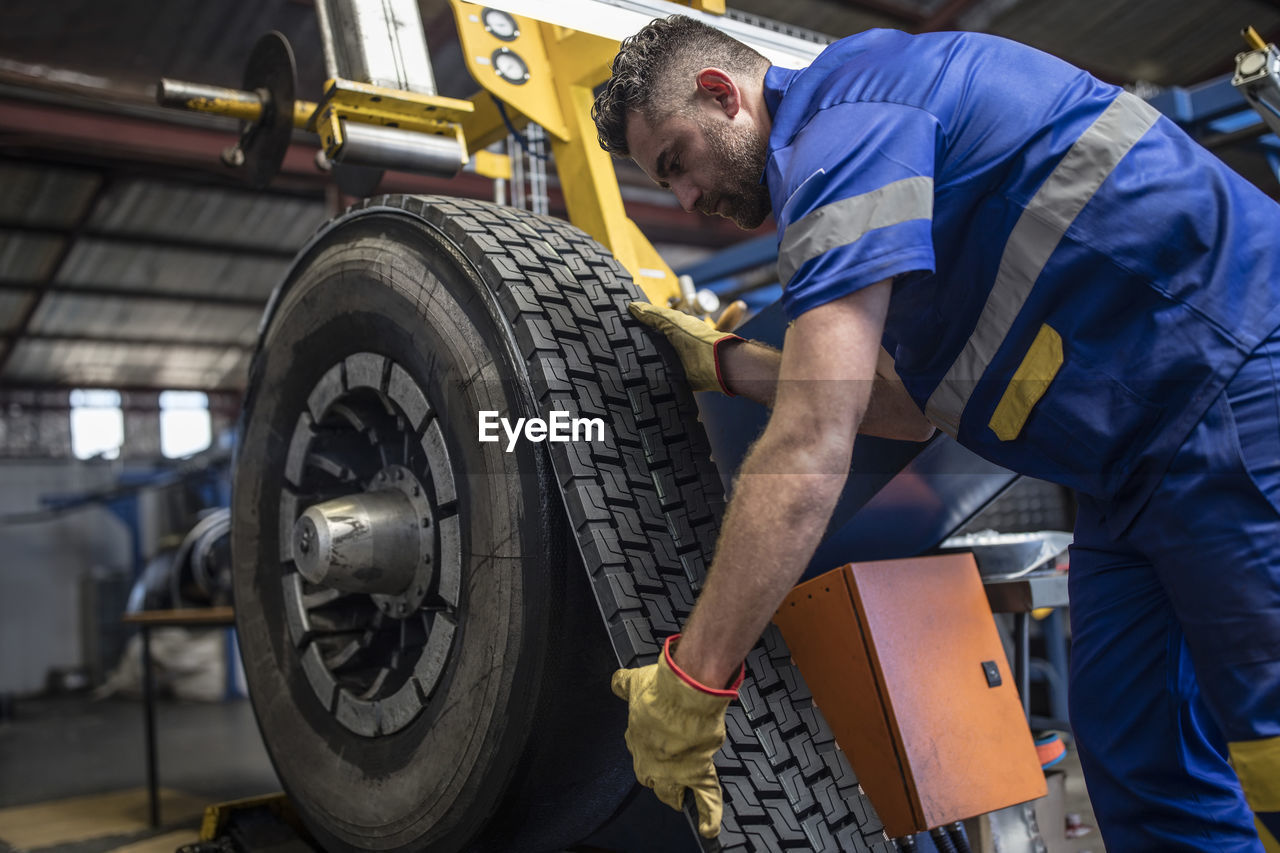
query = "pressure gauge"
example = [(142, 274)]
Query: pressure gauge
[(510, 66), (499, 24)]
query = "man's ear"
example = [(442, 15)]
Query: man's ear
[(718, 85)]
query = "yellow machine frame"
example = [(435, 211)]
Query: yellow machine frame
[(565, 66)]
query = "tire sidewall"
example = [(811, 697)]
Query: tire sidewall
[(439, 779)]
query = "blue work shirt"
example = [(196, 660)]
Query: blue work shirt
[(1075, 278)]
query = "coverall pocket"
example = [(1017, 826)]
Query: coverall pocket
[(1253, 398), (1089, 428), (1029, 383)]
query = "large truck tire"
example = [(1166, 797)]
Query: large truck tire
[(472, 712)]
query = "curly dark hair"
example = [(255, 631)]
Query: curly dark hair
[(648, 66)]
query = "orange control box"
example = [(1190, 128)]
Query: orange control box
[(903, 659)]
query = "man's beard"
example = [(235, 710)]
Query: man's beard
[(741, 157)]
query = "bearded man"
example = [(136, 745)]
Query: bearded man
[(978, 237)]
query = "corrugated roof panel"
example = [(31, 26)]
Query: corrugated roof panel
[(1154, 40), (27, 257), (1169, 43), (104, 365), (192, 212), (823, 16), (202, 40), (73, 314), (45, 196), (103, 263), (12, 304)]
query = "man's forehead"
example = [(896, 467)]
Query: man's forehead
[(641, 133), (648, 142)]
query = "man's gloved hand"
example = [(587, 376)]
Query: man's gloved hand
[(695, 342), (674, 729)]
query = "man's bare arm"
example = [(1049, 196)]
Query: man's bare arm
[(750, 369), (789, 483)]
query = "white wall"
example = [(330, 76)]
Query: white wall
[(41, 564)]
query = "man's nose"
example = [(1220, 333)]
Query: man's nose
[(688, 195)]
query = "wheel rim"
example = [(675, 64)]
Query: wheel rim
[(373, 651)]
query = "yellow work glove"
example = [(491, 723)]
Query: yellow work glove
[(695, 342), (674, 729)]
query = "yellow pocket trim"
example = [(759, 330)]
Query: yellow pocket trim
[(1269, 843), (1257, 763), (1028, 384)]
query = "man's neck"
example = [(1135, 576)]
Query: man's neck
[(753, 102)]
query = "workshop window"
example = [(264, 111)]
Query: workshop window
[(97, 423), (185, 427)]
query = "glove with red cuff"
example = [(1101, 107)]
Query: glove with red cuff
[(696, 342), (674, 729)]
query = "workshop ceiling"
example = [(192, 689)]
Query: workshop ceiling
[(130, 257)]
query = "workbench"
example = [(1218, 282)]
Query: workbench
[(205, 617)]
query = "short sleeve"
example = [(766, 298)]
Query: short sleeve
[(855, 204)]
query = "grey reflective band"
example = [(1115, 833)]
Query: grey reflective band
[(1033, 240), (845, 221)]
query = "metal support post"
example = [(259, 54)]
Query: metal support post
[(1022, 647), (149, 726), (376, 41)]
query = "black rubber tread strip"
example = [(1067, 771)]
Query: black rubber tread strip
[(645, 506)]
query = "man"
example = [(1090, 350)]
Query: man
[(1066, 284)]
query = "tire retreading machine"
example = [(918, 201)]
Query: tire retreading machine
[(414, 607)]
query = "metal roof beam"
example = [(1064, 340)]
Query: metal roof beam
[(129, 137), (946, 15), (60, 257), (227, 397), (92, 290), (885, 9), (105, 139), (116, 340), (180, 176), (152, 241)]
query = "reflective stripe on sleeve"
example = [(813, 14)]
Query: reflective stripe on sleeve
[(847, 220), (1033, 240)]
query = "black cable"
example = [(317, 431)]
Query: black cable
[(511, 128), (942, 840)]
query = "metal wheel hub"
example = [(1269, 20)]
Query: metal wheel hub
[(381, 542), (370, 545)]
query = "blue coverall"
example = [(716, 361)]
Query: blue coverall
[(1085, 295)]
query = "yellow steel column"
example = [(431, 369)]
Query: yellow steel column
[(582, 61), (594, 201), (564, 66)]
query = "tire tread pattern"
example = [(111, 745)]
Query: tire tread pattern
[(645, 508)]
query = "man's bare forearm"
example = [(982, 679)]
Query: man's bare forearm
[(781, 503), (789, 483), (750, 369)]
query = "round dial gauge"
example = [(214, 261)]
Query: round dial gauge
[(510, 66), (499, 24)]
